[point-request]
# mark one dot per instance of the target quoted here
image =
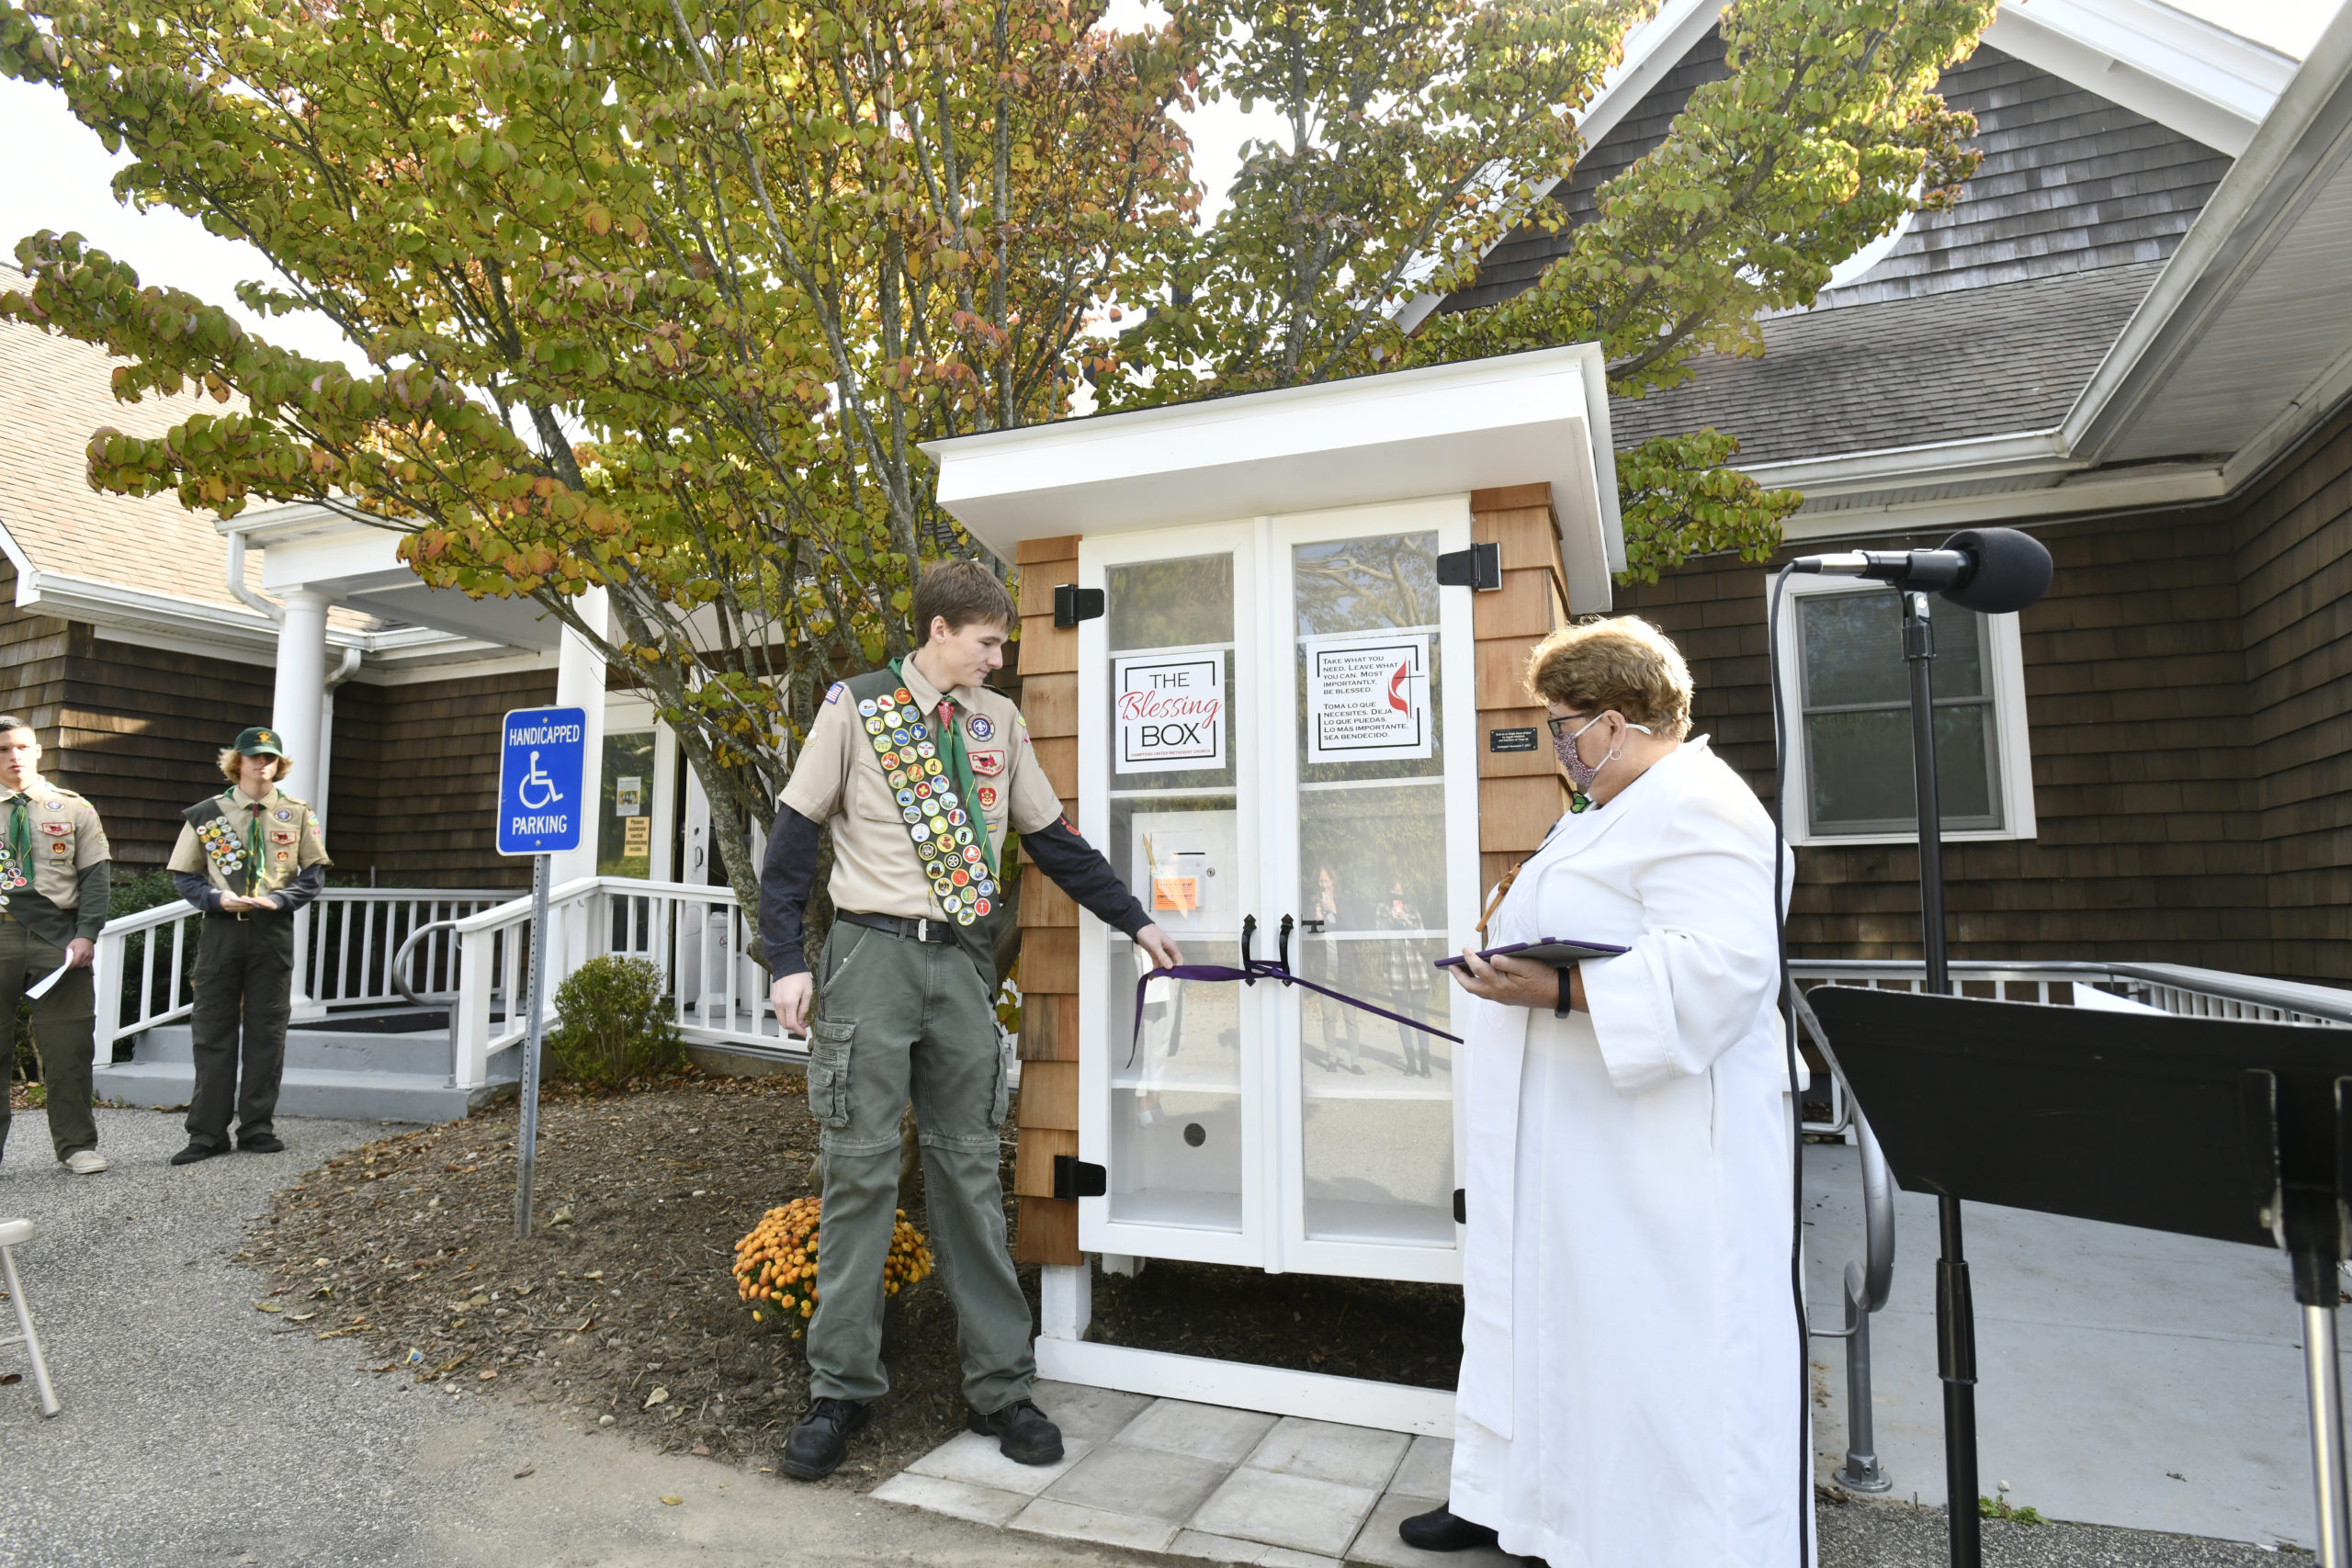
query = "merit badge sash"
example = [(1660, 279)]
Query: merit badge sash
[(14, 873), (221, 845), (948, 835)]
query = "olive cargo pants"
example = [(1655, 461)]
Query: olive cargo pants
[(63, 1024), (244, 981), (897, 1019)]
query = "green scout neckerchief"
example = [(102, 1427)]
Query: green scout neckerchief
[(17, 865), (228, 857)]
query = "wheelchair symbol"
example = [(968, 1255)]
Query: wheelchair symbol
[(546, 785)]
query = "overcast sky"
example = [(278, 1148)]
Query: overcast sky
[(59, 176)]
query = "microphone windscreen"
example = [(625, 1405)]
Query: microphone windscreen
[(2012, 570)]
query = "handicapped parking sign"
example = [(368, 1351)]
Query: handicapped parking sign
[(543, 755)]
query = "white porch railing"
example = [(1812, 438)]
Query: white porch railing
[(694, 934), (2169, 988), (344, 943)]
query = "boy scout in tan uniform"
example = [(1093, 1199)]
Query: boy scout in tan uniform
[(920, 770), (54, 875), (248, 857)]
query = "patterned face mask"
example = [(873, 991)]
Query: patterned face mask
[(1581, 774)]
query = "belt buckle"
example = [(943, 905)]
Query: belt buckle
[(923, 928)]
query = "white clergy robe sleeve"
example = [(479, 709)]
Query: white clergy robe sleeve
[(1707, 962)]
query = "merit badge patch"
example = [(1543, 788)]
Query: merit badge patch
[(866, 708), (980, 728), (904, 696)]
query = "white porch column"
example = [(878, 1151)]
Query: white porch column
[(297, 707), (580, 682)]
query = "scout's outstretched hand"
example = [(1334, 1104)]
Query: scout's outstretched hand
[(1165, 954), (790, 994)]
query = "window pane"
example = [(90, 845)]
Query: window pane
[(1860, 769), (625, 826), (1853, 649), (1959, 668), (1170, 603), (1360, 584)]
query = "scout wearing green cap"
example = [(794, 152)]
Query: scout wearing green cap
[(248, 857), (54, 871)]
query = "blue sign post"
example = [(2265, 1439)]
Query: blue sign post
[(543, 757)]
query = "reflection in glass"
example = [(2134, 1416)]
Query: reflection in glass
[(1377, 1117), (1177, 1068), (1858, 717)]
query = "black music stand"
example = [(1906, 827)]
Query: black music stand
[(2241, 1132)]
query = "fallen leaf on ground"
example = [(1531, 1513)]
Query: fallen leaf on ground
[(12, 1377), (268, 1306), (659, 1396), (533, 1469), (300, 1316), (673, 1502), (488, 1375)]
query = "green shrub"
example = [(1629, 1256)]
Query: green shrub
[(613, 1024), (134, 891)]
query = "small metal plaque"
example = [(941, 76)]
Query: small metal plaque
[(1511, 739)]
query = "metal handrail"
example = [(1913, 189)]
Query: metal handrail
[(2294, 1002), (400, 960)]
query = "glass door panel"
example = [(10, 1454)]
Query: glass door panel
[(1177, 1129), (1374, 885)]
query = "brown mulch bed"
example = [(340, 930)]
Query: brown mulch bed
[(406, 1247)]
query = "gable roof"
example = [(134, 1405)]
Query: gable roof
[(54, 393)]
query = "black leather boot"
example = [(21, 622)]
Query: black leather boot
[(1022, 1433), (818, 1445), (1441, 1530)]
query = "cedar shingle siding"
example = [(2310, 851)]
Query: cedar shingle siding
[(2069, 183), (2189, 683), (415, 780)]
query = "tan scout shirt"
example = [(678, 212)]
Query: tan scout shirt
[(291, 842), (68, 839), (876, 869)]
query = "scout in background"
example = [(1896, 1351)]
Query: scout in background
[(919, 768), (53, 885), (248, 857)]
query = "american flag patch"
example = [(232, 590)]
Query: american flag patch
[(834, 694)]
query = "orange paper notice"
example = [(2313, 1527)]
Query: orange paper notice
[(1180, 895)]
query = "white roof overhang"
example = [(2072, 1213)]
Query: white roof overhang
[(2183, 72), (2242, 344), (1439, 430), (356, 565)]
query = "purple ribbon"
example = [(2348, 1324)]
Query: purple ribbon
[(1265, 969)]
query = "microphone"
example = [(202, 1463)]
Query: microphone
[(1990, 570)]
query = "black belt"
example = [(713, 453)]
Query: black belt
[(913, 931)]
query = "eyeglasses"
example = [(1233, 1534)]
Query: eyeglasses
[(1567, 718)]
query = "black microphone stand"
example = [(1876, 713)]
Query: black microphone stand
[(1955, 1310)]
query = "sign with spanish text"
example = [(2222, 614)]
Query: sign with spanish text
[(1171, 710), (543, 755), (1368, 698)]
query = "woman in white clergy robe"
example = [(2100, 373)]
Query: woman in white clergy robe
[(1632, 1388)]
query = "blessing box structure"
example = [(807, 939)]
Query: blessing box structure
[(1270, 656)]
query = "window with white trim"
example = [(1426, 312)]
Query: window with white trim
[(1849, 712)]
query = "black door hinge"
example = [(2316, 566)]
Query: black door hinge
[(1073, 603), (1461, 1206), (1478, 568), (1074, 1178)]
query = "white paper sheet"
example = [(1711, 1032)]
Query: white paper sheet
[(40, 987)]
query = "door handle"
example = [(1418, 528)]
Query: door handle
[(1248, 933), (1282, 948)]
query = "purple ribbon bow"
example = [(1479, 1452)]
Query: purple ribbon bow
[(1263, 969)]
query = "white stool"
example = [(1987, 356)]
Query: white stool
[(15, 1234)]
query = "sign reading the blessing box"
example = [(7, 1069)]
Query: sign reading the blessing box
[(1368, 699), (1171, 712)]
